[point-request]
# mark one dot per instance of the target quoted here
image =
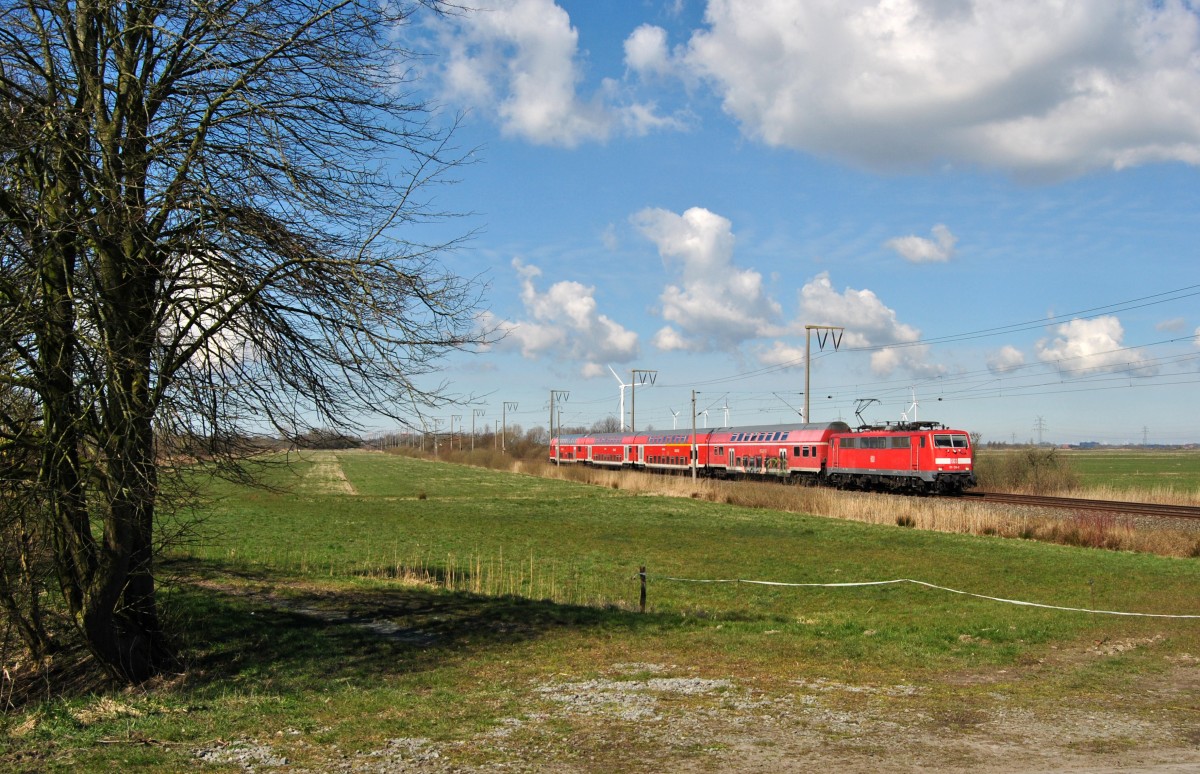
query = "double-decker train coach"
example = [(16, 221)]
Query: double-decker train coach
[(910, 456)]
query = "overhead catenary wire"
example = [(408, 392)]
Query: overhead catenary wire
[(1023, 380), (1141, 302)]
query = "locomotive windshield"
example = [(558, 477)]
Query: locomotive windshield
[(950, 441)]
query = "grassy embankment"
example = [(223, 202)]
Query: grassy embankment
[(387, 597), (1169, 477)]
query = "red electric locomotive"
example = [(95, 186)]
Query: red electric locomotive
[(912, 456), (915, 457)]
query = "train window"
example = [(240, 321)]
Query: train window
[(948, 441), (796, 451), (900, 441)]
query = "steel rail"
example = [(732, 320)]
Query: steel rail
[(1079, 504)]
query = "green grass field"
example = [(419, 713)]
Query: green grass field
[(366, 599), (1139, 470)]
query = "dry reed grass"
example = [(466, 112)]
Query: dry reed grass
[(939, 514), (1158, 494), (1031, 472)]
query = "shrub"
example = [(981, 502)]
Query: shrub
[(1031, 471)]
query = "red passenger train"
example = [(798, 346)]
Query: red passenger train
[(909, 456)]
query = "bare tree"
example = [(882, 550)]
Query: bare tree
[(203, 210), (607, 425)]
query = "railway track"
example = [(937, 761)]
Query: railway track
[(1103, 506)]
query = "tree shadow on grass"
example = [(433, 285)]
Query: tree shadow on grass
[(291, 633)]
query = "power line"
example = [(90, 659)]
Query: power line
[(1141, 302)]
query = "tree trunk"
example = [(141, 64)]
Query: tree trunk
[(21, 586)]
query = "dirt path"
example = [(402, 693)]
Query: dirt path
[(326, 475)]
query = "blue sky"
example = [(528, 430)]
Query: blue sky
[(998, 201)]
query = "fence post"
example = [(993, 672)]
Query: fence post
[(642, 575)]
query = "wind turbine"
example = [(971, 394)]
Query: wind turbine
[(725, 408), (674, 419), (622, 402), (913, 408)]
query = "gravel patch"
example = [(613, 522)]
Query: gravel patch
[(627, 699), (248, 756)]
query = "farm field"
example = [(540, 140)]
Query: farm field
[(383, 613), (1139, 471)]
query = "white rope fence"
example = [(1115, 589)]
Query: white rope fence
[(644, 577)]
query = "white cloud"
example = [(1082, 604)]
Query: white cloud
[(668, 339), (646, 51), (1007, 358), (913, 359), (1046, 88), (518, 62), (609, 238), (782, 354), (564, 323), (920, 250), (1174, 325), (868, 322), (1197, 335), (714, 305), (1090, 346)]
